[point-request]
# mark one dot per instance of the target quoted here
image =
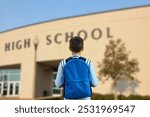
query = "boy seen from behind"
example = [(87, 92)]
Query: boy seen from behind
[(76, 74)]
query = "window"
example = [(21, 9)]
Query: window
[(56, 91), (0, 88), (9, 82)]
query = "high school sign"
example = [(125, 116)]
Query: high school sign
[(58, 38)]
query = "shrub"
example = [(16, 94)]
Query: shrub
[(96, 96), (120, 97)]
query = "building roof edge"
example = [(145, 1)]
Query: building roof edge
[(57, 19)]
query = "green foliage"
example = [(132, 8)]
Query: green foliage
[(96, 96), (116, 63), (120, 97), (102, 97)]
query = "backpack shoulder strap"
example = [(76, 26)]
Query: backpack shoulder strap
[(68, 59), (82, 58), (65, 61), (87, 61)]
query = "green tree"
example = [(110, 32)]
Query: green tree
[(117, 65)]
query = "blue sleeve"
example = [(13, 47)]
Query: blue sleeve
[(93, 78), (59, 78)]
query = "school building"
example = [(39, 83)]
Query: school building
[(29, 55)]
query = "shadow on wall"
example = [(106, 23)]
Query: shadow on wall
[(126, 86)]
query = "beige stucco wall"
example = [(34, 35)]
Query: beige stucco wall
[(131, 25)]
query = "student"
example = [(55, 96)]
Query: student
[(76, 74)]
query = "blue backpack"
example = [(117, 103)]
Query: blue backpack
[(76, 78)]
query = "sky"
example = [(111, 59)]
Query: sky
[(18, 13)]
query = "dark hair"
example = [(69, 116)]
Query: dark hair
[(76, 44)]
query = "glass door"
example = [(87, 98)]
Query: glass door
[(13, 88), (1, 88), (56, 91)]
